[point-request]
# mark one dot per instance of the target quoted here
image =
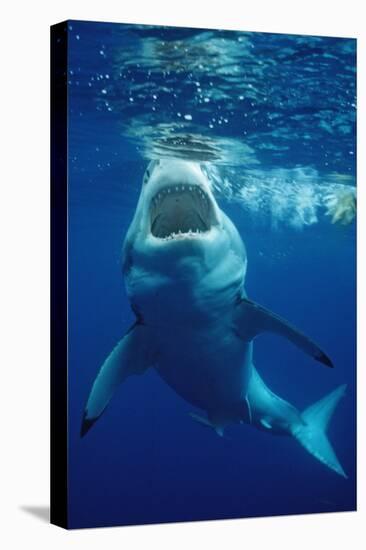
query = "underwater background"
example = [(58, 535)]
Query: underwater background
[(273, 119)]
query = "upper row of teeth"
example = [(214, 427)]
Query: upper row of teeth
[(177, 188)]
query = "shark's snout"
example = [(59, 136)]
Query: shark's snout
[(182, 210)]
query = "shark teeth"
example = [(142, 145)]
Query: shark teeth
[(178, 211), (195, 190), (183, 235)]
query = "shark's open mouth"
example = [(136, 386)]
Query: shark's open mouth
[(181, 210)]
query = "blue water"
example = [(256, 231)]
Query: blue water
[(272, 117)]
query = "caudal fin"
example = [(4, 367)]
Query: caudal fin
[(312, 434)]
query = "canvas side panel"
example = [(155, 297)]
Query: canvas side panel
[(59, 466)]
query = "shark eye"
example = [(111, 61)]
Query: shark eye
[(146, 176), (149, 170)]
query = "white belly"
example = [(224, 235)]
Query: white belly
[(210, 368)]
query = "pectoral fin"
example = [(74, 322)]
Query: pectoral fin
[(132, 355), (251, 319)]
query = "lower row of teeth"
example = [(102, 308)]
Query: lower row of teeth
[(190, 233)]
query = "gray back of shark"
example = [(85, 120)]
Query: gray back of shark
[(184, 265)]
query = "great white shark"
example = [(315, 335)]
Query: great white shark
[(184, 264)]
